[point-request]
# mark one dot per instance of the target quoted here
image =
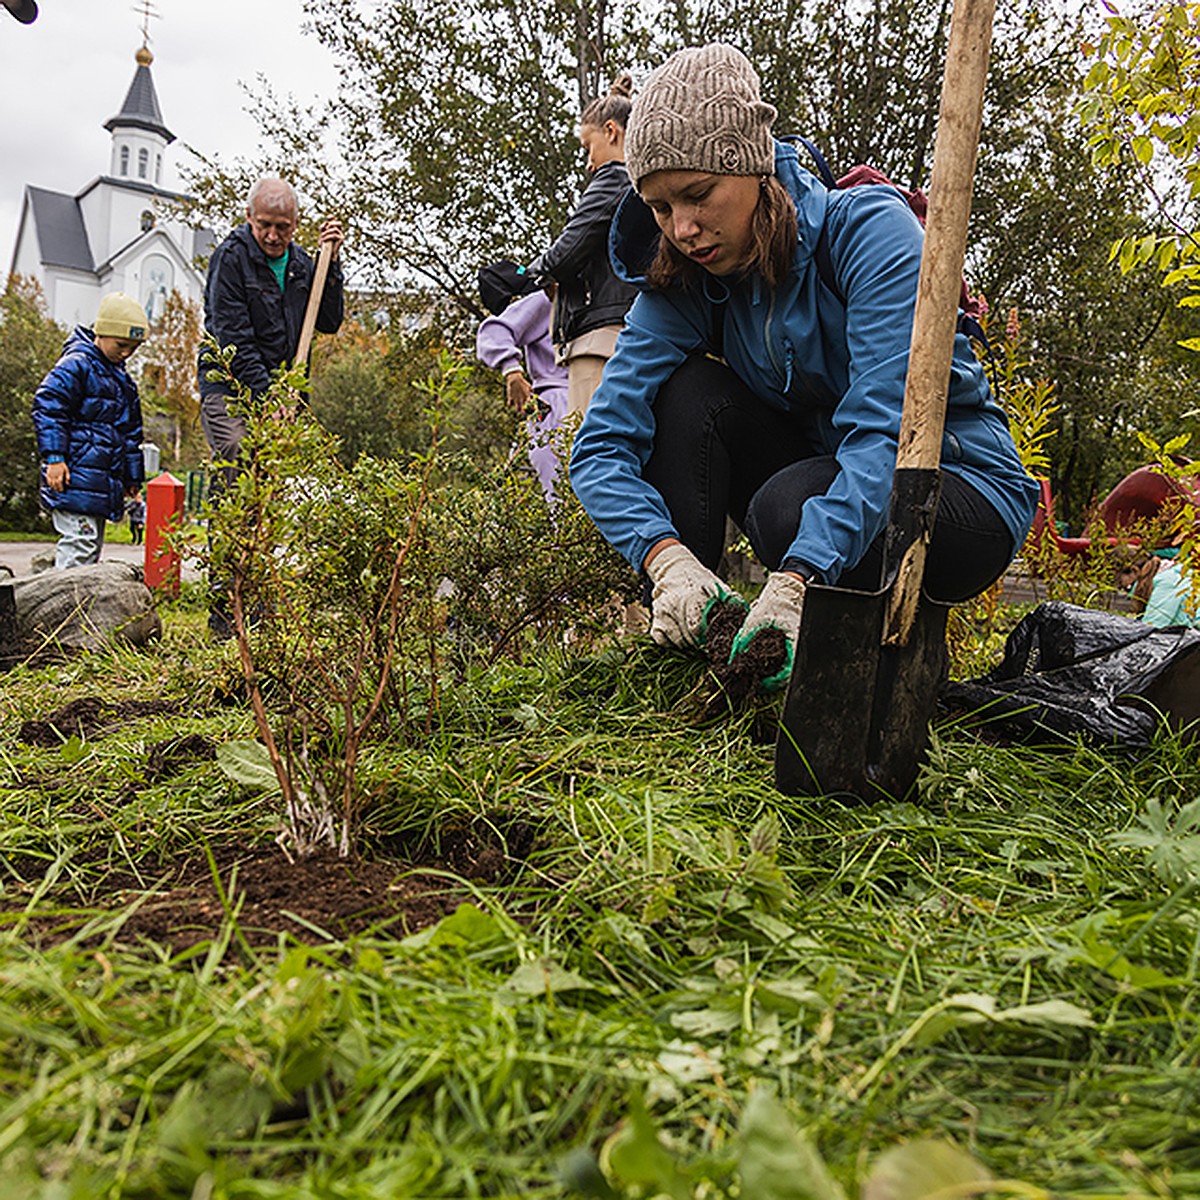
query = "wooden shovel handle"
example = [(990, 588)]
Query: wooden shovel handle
[(324, 254), (935, 317)]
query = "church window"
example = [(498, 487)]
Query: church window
[(158, 168), (124, 160), (143, 163)]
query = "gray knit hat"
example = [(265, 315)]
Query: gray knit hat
[(701, 111)]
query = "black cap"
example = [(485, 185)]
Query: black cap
[(500, 282), (24, 10)]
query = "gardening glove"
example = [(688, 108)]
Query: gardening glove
[(778, 606), (685, 593)]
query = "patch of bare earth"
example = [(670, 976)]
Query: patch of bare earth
[(315, 899)]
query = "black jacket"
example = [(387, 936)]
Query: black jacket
[(245, 307), (589, 294)]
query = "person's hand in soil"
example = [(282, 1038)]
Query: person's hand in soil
[(685, 594), (765, 646)]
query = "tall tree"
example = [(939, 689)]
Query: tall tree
[(452, 142), (1143, 112), (30, 343)]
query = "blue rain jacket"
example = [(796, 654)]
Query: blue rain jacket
[(87, 413), (839, 367)]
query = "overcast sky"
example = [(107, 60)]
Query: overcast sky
[(63, 76)]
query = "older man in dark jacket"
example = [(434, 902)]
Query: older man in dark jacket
[(257, 291), (258, 286)]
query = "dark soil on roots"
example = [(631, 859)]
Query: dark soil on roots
[(179, 903), (738, 680)]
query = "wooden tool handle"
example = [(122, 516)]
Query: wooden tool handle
[(324, 254), (939, 287), (935, 318)]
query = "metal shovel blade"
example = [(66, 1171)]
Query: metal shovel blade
[(856, 717)]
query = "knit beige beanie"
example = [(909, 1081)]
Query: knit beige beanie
[(701, 111), (120, 316)]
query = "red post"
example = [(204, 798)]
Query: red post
[(164, 513)]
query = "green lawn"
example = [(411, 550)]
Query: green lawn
[(684, 985)]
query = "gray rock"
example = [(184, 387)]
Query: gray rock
[(85, 608)]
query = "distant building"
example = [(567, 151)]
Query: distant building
[(119, 234)]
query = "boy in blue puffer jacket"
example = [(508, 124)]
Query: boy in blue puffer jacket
[(88, 420)]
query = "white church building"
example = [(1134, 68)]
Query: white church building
[(121, 232)]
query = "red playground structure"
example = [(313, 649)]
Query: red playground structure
[(1140, 495)]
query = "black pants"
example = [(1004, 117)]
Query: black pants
[(720, 451)]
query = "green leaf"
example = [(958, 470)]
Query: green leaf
[(777, 1161), (74, 750), (543, 977), (247, 762), (969, 1008), (764, 837), (689, 1062), (924, 1168), (637, 1156), (706, 1022), (789, 995), (466, 926)]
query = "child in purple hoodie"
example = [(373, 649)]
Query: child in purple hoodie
[(516, 342)]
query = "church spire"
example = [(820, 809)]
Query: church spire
[(141, 110)]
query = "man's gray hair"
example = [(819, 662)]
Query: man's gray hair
[(279, 194)]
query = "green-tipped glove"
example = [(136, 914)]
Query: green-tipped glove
[(779, 606), (685, 593)]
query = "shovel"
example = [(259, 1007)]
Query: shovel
[(868, 664), (309, 325), (324, 254)]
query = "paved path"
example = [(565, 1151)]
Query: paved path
[(18, 556)]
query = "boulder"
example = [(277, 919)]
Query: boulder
[(85, 608)]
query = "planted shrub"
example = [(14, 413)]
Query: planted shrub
[(330, 584)]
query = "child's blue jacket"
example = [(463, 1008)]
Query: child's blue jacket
[(87, 414), (839, 366)]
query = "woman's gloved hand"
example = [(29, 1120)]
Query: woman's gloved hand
[(685, 593), (770, 657)]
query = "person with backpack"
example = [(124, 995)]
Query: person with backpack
[(744, 385), (590, 301)]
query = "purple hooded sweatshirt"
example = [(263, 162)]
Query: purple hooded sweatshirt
[(519, 340)]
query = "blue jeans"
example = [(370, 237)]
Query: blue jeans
[(81, 538), (720, 451)]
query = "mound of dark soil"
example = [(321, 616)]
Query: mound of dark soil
[(312, 899), (168, 758), (87, 718), (315, 899)]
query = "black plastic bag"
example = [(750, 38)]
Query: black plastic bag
[(1071, 671)]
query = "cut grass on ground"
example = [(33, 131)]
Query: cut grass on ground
[(1007, 960)]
